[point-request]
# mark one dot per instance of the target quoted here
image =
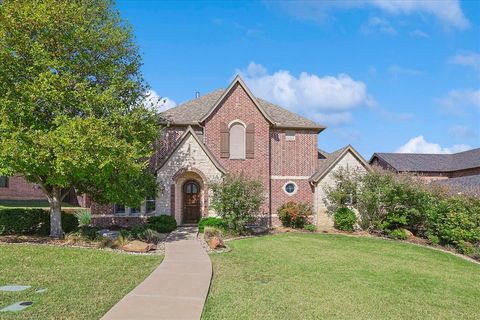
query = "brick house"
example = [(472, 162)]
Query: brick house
[(458, 171), (232, 131)]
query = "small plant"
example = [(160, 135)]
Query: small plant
[(211, 222), (210, 232), (150, 236), (84, 217), (123, 238), (294, 215), (397, 234), (311, 227), (345, 219), (162, 223)]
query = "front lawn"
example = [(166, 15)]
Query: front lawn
[(317, 276), (81, 283)]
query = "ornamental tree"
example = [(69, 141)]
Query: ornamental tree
[(237, 199), (71, 103)]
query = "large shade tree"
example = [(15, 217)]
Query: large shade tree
[(71, 102)]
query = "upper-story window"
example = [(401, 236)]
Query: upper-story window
[(290, 135), (237, 141), (3, 182)]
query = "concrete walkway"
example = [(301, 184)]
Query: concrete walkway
[(177, 289)]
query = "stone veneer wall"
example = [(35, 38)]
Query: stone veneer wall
[(323, 219), (189, 157)]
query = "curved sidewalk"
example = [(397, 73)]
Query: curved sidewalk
[(177, 289)]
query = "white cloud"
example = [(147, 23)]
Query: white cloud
[(378, 24), (448, 12), (330, 98), (456, 101), (155, 102), (420, 145), (463, 132), (471, 59)]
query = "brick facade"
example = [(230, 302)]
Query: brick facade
[(238, 106), (20, 189)]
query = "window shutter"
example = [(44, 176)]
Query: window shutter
[(224, 141), (250, 143)]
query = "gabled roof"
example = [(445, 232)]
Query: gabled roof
[(198, 110), (328, 161), (423, 162), (185, 135), (240, 82)]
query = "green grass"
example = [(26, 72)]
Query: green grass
[(81, 283), (315, 276), (30, 204)]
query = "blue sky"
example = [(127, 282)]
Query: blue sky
[(382, 76)]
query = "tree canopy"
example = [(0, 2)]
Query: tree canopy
[(71, 102)]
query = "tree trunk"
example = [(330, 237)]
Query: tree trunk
[(55, 214)]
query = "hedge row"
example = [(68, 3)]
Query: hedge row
[(32, 221)]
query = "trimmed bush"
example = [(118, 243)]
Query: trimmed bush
[(32, 221), (162, 223), (311, 227), (211, 222), (294, 215), (397, 234), (345, 219)]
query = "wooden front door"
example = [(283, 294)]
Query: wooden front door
[(191, 202)]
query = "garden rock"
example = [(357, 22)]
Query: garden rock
[(138, 246), (409, 234), (216, 242)]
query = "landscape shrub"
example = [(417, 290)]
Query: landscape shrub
[(237, 200), (137, 230), (84, 233), (32, 221), (294, 214), (211, 222), (345, 219), (455, 221), (311, 227), (400, 234), (162, 223)]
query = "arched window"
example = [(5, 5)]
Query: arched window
[(237, 141)]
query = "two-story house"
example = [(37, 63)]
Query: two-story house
[(232, 131)]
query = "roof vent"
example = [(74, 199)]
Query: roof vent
[(197, 94)]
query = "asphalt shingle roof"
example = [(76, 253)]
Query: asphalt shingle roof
[(421, 162), (466, 184), (190, 112)]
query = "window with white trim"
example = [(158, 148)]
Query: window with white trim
[(237, 141), (290, 188)]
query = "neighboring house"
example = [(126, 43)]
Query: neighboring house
[(16, 188), (458, 171), (231, 131)]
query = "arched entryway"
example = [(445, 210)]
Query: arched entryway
[(188, 196), (191, 208)]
